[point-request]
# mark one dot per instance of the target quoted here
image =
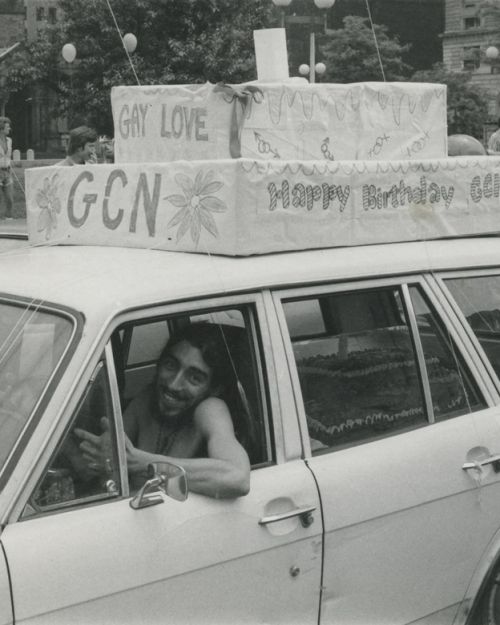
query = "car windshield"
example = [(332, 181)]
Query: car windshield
[(32, 342)]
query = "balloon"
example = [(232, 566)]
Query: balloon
[(69, 52), (130, 42), (320, 68), (462, 145), (304, 69), (492, 52)]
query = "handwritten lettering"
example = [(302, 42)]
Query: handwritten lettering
[(108, 221), (88, 200), (150, 203), (184, 123), (307, 196), (83, 194), (487, 187), (132, 121), (402, 194)]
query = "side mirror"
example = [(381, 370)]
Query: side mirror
[(164, 477)]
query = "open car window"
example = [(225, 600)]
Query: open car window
[(239, 334)]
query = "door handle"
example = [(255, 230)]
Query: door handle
[(493, 460), (305, 514)]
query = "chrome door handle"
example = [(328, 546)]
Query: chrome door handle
[(305, 514), (494, 460)]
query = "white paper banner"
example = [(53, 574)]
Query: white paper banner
[(287, 121), (241, 207)]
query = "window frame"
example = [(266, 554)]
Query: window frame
[(77, 321), (487, 375), (403, 282), (258, 331), (268, 378), (106, 361)]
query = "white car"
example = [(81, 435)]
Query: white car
[(372, 377)]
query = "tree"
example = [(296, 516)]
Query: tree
[(179, 42), (467, 104), (350, 53)]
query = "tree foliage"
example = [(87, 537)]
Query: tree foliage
[(350, 53), (467, 104), (179, 41)]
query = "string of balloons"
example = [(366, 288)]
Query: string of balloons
[(128, 41)]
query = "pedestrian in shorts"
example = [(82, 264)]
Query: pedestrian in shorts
[(6, 179)]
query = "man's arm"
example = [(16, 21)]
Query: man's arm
[(226, 471)]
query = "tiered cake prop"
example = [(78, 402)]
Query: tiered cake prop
[(269, 166)]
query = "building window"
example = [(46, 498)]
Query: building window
[(471, 22), (472, 58), (40, 14), (52, 15)]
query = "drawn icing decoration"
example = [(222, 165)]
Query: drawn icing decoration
[(197, 205), (48, 201)]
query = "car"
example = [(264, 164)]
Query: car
[(371, 375)]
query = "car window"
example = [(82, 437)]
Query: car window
[(479, 300), (70, 477), (359, 371), (453, 390), (145, 342), (245, 376), (32, 343)]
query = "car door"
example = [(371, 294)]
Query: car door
[(389, 406), (78, 552)]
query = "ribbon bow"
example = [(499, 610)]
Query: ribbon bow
[(241, 99)]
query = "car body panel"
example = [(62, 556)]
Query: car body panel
[(151, 557), (103, 280)]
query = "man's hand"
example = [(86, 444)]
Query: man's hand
[(96, 450), (137, 460)]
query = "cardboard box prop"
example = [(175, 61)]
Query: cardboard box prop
[(286, 121), (242, 207)]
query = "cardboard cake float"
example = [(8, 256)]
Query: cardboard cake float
[(287, 121), (243, 206), (269, 166)]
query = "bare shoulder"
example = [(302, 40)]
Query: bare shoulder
[(212, 413)]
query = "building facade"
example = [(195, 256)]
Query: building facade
[(471, 43)]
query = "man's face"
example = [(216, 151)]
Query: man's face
[(87, 154), (184, 379)]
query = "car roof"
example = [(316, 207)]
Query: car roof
[(100, 280)]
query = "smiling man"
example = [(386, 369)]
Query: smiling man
[(182, 418), (81, 147)]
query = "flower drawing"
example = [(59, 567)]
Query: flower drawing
[(49, 204), (196, 205)]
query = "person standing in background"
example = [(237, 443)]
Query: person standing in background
[(6, 179), (494, 141), (81, 147)]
